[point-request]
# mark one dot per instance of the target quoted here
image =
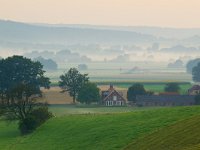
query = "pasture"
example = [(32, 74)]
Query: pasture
[(96, 130), (184, 134)]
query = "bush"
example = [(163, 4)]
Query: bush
[(172, 87), (36, 118), (28, 125)]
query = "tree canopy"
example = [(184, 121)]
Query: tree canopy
[(89, 93), (191, 64), (134, 90), (172, 87), (20, 82), (72, 82), (196, 73)]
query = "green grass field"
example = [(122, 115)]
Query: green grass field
[(181, 135), (151, 86), (109, 130)]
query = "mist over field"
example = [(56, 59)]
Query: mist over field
[(126, 50)]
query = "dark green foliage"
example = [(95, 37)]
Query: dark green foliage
[(72, 82), (197, 100), (196, 73), (134, 90), (34, 119), (149, 93), (89, 93), (28, 125), (20, 82), (172, 87), (191, 64)]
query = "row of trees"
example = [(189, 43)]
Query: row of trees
[(138, 89)]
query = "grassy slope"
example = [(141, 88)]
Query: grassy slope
[(8, 134), (100, 131), (182, 135)]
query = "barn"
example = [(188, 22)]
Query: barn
[(165, 100)]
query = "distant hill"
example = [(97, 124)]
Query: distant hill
[(27, 33), (166, 32)]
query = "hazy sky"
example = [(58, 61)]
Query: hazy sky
[(165, 13)]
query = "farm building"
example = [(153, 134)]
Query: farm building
[(165, 100), (194, 90), (111, 97)]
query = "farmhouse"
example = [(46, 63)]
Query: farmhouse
[(111, 97), (165, 100), (195, 90)]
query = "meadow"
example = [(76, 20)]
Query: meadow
[(95, 129)]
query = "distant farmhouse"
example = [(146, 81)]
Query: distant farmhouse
[(195, 90), (111, 97), (165, 100)]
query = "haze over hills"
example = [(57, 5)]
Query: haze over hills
[(99, 43), (166, 32)]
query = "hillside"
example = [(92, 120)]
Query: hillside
[(95, 131), (182, 135), (23, 33)]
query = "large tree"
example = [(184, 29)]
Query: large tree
[(89, 93), (134, 90), (196, 73), (172, 87), (72, 82), (20, 83)]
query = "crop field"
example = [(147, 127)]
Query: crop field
[(97, 131), (150, 86), (115, 72)]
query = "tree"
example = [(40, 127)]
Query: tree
[(172, 87), (72, 82), (89, 93), (134, 90), (191, 64), (196, 73), (197, 99), (20, 83)]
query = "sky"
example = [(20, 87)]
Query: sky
[(163, 13)]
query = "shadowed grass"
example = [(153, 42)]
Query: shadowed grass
[(182, 135)]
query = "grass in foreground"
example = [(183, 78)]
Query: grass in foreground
[(98, 131), (8, 134), (182, 135)]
